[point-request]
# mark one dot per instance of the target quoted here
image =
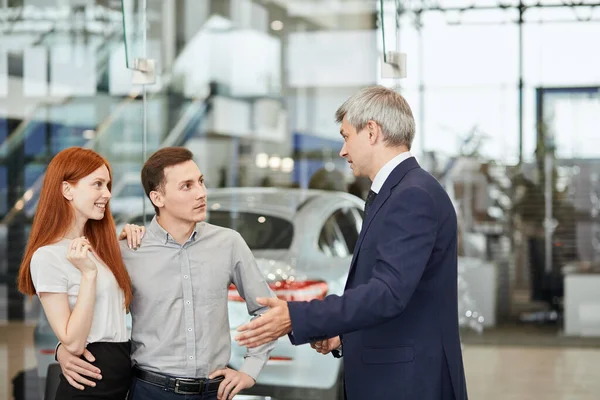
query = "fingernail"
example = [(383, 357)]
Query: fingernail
[(99, 376), (93, 384)]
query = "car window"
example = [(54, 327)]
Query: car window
[(331, 241), (350, 221), (340, 232), (260, 231)]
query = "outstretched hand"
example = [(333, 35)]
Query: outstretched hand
[(271, 325)]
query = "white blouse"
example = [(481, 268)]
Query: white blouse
[(52, 272)]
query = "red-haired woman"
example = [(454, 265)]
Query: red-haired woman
[(73, 263)]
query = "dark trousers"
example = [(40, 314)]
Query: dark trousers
[(141, 390), (114, 362)]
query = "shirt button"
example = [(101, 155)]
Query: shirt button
[(189, 329), (191, 357), (187, 302), (185, 277)]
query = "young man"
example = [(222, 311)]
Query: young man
[(399, 312), (180, 276)]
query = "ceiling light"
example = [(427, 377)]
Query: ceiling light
[(277, 25)]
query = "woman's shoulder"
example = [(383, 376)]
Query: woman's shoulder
[(55, 251), (49, 264)]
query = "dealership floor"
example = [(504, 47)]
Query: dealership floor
[(494, 371)]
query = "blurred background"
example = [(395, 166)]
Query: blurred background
[(506, 96)]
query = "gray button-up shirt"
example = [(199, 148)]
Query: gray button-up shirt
[(179, 308)]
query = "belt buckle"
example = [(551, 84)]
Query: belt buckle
[(187, 380)]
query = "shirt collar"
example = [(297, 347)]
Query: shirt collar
[(387, 169), (164, 236)]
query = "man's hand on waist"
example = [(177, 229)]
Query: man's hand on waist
[(233, 383), (74, 368)]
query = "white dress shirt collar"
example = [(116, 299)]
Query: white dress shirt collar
[(387, 169)]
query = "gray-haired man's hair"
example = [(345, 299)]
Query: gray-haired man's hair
[(384, 106)]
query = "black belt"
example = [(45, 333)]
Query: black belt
[(178, 385)]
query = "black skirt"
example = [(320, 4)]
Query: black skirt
[(114, 362)]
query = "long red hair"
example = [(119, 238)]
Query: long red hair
[(54, 216)]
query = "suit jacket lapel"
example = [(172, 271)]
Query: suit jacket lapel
[(386, 190)]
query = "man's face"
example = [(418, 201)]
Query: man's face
[(356, 148), (183, 196)]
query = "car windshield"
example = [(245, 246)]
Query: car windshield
[(261, 232), (131, 190)]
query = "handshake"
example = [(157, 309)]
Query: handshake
[(327, 345)]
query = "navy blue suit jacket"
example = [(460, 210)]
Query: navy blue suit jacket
[(398, 316)]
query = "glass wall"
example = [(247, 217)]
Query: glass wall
[(507, 119)]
